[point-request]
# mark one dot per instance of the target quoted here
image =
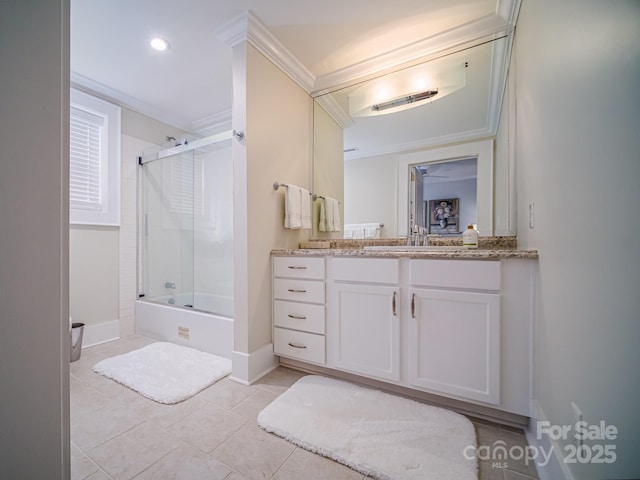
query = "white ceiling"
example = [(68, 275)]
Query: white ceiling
[(190, 85)]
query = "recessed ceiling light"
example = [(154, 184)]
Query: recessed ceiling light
[(160, 44)]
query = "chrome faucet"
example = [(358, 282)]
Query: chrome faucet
[(169, 285)]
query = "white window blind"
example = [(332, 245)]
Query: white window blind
[(86, 150), (186, 186)]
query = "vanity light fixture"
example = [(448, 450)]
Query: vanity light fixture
[(404, 100), (407, 88), (159, 44)]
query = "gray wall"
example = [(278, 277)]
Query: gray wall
[(34, 343), (577, 67)]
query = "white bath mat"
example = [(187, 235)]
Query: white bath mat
[(378, 434), (165, 372)]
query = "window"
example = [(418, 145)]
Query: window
[(94, 157)]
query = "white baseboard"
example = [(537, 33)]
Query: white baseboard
[(249, 367), (555, 468), (100, 333)]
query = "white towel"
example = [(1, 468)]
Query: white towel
[(332, 211), (292, 208), (372, 232), (322, 222), (305, 208)]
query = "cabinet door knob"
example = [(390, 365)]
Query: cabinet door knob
[(293, 290), (297, 317), (295, 345)]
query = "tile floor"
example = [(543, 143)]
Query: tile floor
[(118, 434)]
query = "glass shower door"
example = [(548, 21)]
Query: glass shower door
[(166, 231)]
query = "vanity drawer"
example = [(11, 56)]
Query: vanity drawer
[(308, 347), (467, 274), (299, 267), (367, 270), (298, 290), (299, 316)]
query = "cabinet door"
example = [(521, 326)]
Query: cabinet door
[(366, 330), (455, 343)]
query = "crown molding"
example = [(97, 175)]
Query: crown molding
[(97, 89), (430, 47), (498, 82), (335, 111), (212, 123), (247, 27), (399, 148), (508, 10)]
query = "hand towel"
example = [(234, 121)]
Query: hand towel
[(372, 232), (292, 208), (328, 210), (322, 222), (305, 208), (333, 214)]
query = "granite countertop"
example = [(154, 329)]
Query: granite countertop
[(462, 253), (489, 248)]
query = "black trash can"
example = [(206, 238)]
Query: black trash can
[(77, 329)]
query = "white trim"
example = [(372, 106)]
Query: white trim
[(100, 333), (508, 9), (247, 27), (400, 148), (109, 159), (85, 84), (498, 81), (335, 111), (212, 123), (250, 367), (418, 51), (555, 469)]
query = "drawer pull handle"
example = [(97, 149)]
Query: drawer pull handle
[(297, 317), (413, 305), (293, 290), (297, 268), (393, 304), (295, 345)]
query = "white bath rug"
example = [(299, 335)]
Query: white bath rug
[(378, 434), (165, 372)]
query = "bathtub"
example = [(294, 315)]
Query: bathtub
[(200, 329)]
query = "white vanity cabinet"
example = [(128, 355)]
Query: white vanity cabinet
[(454, 328), (299, 308), (364, 317)]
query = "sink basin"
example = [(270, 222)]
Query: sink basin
[(411, 248)]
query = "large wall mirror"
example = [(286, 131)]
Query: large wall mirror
[(436, 134)]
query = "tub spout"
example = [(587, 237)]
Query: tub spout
[(169, 285)]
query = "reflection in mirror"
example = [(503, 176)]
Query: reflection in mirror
[(379, 149), (442, 197)]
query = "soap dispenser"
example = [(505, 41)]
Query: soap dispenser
[(470, 237)]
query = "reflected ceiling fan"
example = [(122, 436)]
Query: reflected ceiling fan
[(427, 172)]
